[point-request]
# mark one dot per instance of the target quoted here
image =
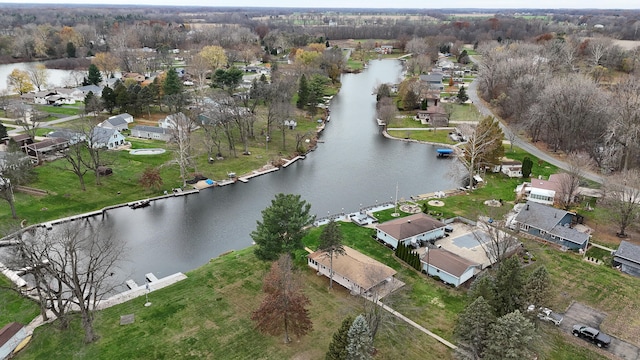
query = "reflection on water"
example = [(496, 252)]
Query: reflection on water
[(355, 166)]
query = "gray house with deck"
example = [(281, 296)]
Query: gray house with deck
[(551, 224)]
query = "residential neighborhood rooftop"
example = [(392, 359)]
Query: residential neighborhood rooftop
[(359, 268), (409, 226)]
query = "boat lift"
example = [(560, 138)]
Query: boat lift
[(444, 153)]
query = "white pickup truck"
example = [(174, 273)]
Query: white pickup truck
[(546, 314)]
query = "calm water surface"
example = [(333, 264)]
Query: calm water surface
[(355, 165)]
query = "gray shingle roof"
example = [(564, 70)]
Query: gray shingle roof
[(116, 121), (153, 129), (102, 135), (628, 251), (540, 216), (409, 226), (547, 218)]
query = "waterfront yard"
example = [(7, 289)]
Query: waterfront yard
[(208, 315)]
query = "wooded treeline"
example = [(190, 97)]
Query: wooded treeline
[(576, 95), (83, 31)]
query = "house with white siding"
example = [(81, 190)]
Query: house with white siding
[(151, 132), (106, 138), (449, 267), (412, 230)]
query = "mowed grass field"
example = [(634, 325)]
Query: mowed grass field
[(208, 315)]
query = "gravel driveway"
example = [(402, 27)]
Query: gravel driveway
[(578, 313)]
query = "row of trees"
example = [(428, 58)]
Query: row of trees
[(537, 89)]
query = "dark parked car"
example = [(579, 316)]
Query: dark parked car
[(594, 335)]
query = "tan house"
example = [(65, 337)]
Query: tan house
[(355, 271)]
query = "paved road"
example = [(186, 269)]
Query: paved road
[(518, 141), (16, 129)]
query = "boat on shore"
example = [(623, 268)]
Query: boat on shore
[(140, 204)]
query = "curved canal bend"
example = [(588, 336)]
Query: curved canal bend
[(355, 165)]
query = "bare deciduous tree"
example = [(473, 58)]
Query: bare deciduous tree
[(622, 198), (623, 131), (72, 266), (495, 240), (568, 183), (181, 137)]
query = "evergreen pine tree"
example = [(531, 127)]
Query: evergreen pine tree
[(94, 77), (360, 344), (338, 345), (331, 242), (509, 283), (537, 290), (172, 84), (303, 92), (527, 165), (512, 336), (462, 95), (472, 327), (71, 50)]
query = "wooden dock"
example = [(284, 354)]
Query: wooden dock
[(289, 162)]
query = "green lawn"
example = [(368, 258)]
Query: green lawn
[(68, 110), (208, 315), (15, 307)]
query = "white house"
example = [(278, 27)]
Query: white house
[(449, 267), (411, 230), (511, 168), (106, 138), (151, 132), (176, 121), (545, 192), (355, 271)]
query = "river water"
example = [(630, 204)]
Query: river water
[(354, 166), (55, 77)]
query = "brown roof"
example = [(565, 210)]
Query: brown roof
[(544, 184), (46, 143), (448, 261), (355, 266), (409, 226), (21, 137), (8, 331)]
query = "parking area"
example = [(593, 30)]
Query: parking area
[(578, 313)]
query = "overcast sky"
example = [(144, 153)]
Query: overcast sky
[(492, 4)]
